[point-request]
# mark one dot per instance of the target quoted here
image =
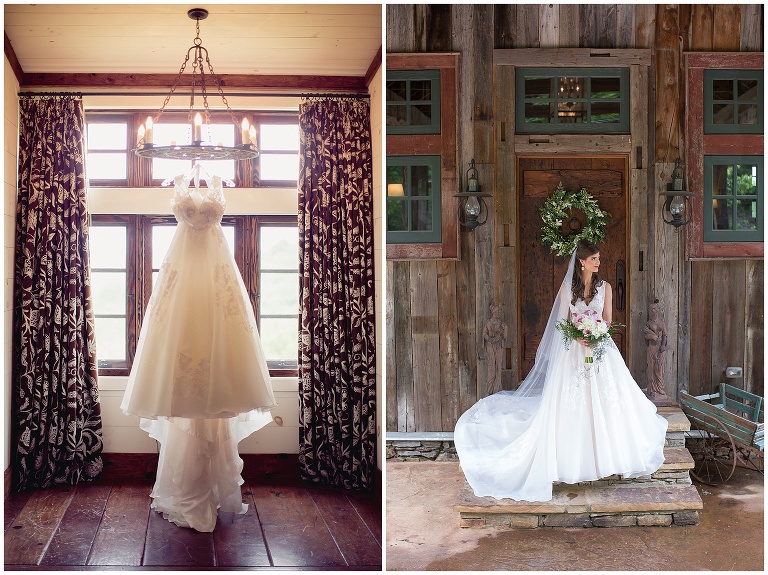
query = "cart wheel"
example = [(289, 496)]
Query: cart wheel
[(718, 462)]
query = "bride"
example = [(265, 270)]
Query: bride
[(569, 421)]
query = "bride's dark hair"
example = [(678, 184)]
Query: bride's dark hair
[(584, 249)]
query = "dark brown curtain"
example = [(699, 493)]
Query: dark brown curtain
[(56, 413), (337, 358)]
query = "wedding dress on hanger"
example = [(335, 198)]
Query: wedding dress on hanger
[(568, 421), (199, 379)]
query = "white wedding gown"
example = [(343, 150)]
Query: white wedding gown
[(199, 380), (588, 422)]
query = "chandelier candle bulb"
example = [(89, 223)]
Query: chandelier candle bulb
[(141, 135), (245, 134), (148, 134), (252, 134), (198, 129), (173, 142)]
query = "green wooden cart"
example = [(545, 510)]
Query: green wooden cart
[(730, 423)]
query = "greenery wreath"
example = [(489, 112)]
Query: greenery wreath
[(555, 210)]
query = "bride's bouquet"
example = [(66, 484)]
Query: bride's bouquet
[(591, 327)]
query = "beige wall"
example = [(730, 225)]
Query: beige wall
[(377, 148), (11, 130)]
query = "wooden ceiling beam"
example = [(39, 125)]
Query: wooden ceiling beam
[(12, 59), (373, 68), (355, 84)]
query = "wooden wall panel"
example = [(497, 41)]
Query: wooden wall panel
[(505, 26), (700, 368), (569, 26), (701, 28), (728, 319), (549, 26), (645, 25), (667, 84), (752, 27), (391, 342), (727, 29), (438, 27), (754, 350), (399, 291), (448, 315), (625, 26), (426, 342), (527, 35), (400, 28)]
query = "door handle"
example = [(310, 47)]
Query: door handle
[(621, 285)]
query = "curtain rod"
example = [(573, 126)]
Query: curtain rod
[(245, 94)]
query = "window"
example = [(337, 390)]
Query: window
[(111, 139), (413, 199), (733, 102), (570, 100), (413, 102), (733, 198), (724, 154), (126, 254), (422, 220)]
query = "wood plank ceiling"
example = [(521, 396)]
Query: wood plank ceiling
[(242, 39)]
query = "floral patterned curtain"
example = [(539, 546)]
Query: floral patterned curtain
[(337, 358), (56, 412)]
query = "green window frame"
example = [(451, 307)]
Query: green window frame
[(571, 100), (733, 101), (733, 206), (414, 200), (416, 95)]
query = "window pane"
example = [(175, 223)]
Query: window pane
[(396, 90), (223, 168), (722, 214), (397, 216), (161, 241), (110, 338), (421, 90), (421, 115), (722, 113), (106, 166), (748, 114), (606, 88), (537, 113), (163, 169), (722, 89), (421, 181), (280, 137), (108, 292), (747, 89), (421, 215), (279, 247), (279, 167), (223, 134), (538, 87), (107, 136), (280, 293), (746, 214), (165, 134), (107, 246), (606, 112), (746, 179), (722, 177), (397, 115), (280, 338)]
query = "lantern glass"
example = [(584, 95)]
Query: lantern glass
[(677, 206), (472, 207)]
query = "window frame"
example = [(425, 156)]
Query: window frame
[(432, 76), (710, 75), (139, 169), (700, 145), (621, 127), (442, 144), (139, 262), (419, 236)]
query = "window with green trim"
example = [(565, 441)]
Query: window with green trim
[(733, 101), (413, 199), (571, 100), (733, 198), (413, 101)]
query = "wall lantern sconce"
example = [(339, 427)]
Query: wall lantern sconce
[(678, 204), (471, 204)]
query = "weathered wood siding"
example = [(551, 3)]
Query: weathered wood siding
[(436, 310)]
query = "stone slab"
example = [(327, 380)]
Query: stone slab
[(677, 458), (563, 501), (654, 520), (643, 498), (677, 421)]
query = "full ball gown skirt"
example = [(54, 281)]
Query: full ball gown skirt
[(590, 421), (199, 380)]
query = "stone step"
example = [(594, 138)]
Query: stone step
[(585, 506)]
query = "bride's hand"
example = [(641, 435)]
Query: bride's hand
[(583, 342)]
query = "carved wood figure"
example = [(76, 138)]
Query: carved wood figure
[(494, 335), (655, 333)]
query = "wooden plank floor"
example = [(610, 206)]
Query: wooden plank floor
[(108, 524)]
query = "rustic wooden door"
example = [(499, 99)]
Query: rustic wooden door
[(540, 272)]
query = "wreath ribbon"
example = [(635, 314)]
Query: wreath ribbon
[(555, 210)]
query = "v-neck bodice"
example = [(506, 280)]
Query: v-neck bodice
[(196, 209)]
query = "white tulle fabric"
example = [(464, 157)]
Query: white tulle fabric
[(199, 380), (568, 422)]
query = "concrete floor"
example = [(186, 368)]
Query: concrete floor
[(423, 532)]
